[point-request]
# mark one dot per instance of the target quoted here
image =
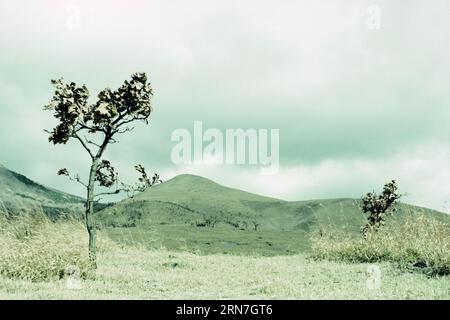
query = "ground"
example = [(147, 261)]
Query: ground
[(221, 239), (161, 274)]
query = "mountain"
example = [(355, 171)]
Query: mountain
[(191, 213), (196, 214), (193, 200), (19, 194)]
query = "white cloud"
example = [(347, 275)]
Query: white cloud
[(310, 68), (423, 175)]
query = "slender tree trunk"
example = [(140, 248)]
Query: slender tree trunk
[(89, 213)]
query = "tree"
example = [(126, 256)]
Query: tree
[(379, 206), (95, 127)]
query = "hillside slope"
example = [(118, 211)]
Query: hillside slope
[(19, 194), (193, 200)]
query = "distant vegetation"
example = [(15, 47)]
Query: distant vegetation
[(414, 242), (191, 213), (197, 201), (19, 195), (53, 195)]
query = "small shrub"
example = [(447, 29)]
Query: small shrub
[(418, 243), (379, 207)]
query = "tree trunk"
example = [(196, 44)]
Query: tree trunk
[(89, 213)]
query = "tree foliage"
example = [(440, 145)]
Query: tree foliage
[(109, 115), (379, 206)]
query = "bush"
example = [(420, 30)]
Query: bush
[(379, 206), (417, 243), (34, 248)]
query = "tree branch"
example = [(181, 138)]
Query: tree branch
[(112, 140), (65, 172), (77, 179), (75, 135), (127, 129), (92, 142), (93, 129), (109, 192), (119, 124), (106, 140)]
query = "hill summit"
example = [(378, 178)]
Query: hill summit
[(188, 186), (193, 200)]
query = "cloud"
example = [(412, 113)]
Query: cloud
[(422, 174), (344, 97)]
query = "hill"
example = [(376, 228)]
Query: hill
[(19, 194), (196, 213), (190, 199), (192, 213)]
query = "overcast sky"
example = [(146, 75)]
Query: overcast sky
[(356, 106)]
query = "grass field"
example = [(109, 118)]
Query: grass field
[(222, 239), (161, 274), (417, 243), (35, 251), (157, 246)]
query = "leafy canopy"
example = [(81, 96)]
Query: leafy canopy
[(109, 116), (379, 206), (112, 111)]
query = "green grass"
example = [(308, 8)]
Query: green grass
[(221, 239)]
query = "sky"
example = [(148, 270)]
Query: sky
[(359, 90)]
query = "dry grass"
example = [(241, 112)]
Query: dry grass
[(419, 243), (33, 249), (130, 273), (36, 249)]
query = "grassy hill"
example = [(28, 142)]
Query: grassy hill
[(192, 213), (19, 194), (196, 214)]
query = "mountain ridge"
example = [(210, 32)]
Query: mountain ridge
[(195, 200), (193, 213), (20, 194), (191, 199)]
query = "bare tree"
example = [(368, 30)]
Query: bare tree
[(95, 127), (379, 206)]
